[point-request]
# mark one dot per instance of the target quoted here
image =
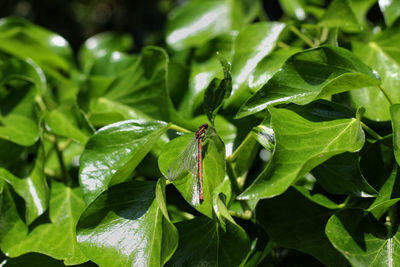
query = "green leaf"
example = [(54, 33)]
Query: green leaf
[(68, 121), (140, 92), (128, 226), (295, 222), (388, 195), (204, 67), (317, 197), (17, 119), (395, 113), (101, 44), (310, 75), (217, 92), (13, 68), (363, 240), (294, 8), (203, 242), (297, 150), (25, 40), (390, 10), (33, 188), (340, 14), (380, 53), (213, 169), (33, 260), (197, 22), (341, 174), (252, 44), (113, 152), (55, 238)]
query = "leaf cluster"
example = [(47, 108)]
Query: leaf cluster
[(301, 157)]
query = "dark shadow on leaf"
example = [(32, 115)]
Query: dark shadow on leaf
[(129, 200)]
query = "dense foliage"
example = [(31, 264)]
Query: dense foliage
[(300, 163)]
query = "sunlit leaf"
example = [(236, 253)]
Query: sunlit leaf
[(53, 236), (311, 75), (128, 226), (297, 150), (213, 169), (113, 152), (363, 240)]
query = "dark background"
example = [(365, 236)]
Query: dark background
[(77, 20)]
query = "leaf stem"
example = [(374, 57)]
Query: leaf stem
[(238, 150), (178, 128), (282, 45), (302, 36), (40, 102), (247, 215), (65, 175), (383, 90), (370, 131)]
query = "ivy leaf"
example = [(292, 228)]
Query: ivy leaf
[(27, 70), (127, 225), (395, 113), (113, 152), (390, 10), (217, 92), (295, 9), (197, 22), (310, 75), (213, 169), (101, 44), (33, 188), (55, 238), (293, 221), (362, 239), (297, 151), (341, 174), (252, 45), (225, 246), (25, 40), (140, 92), (18, 121), (68, 121), (388, 195), (380, 53), (340, 14)]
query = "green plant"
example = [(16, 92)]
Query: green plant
[(302, 153)]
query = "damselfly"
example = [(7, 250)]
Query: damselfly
[(190, 160)]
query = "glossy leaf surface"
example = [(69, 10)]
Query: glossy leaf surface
[(45, 237), (340, 14), (395, 113), (113, 152), (33, 188), (128, 226), (297, 150), (217, 92), (311, 75), (226, 247), (341, 174), (213, 169), (362, 239), (390, 10), (380, 53), (49, 50), (197, 22), (140, 93), (252, 44), (295, 222)]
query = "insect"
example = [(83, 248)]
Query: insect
[(190, 160)]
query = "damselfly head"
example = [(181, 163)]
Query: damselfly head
[(202, 131)]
